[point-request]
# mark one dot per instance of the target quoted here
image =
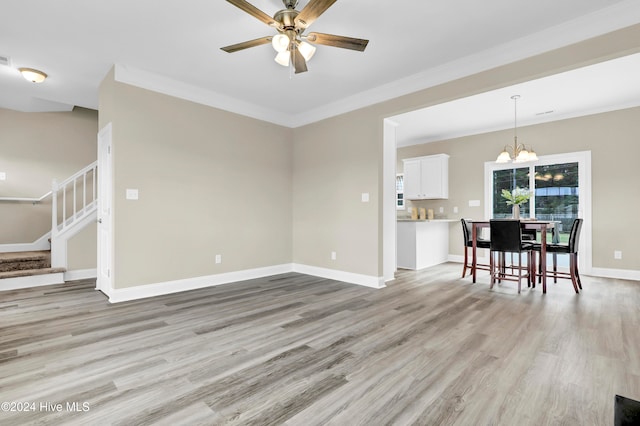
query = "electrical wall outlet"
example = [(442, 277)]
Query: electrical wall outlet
[(218, 258), (441, 209), (3, 176), (333, 255), (455, 210), (617, 254)]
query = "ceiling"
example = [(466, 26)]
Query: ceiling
[(174, 47), (606, 86)]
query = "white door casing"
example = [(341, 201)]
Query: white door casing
[(389, 212), (104, 280)]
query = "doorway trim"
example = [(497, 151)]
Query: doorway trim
[(104, 280), (389, 212)]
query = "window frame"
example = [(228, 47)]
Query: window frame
[(401, 203), (583, 158)]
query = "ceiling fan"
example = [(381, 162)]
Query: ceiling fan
[(292, 45)]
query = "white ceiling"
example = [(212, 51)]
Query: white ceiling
[(174, 47), (602, 87)]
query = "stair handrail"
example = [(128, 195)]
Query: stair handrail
[(57, 228), (27, 199), (79, 173)]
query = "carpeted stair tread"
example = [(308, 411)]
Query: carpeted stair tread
[(22, 256), (24, 263), (30, 272)]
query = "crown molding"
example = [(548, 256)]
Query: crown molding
[(178, 89), (615, 17)]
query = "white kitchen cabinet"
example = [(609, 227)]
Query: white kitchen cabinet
[(427, 177)]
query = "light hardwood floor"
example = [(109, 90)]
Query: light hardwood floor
[(430, 349)]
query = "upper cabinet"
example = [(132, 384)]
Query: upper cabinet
[(427, 177)]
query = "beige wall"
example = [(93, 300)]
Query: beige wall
[(81, 249), (614, 176), (296, 194), (334, 138), (210, 182), (36, 148), (335, 161), (213, 182)]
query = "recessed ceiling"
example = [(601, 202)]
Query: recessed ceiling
[(602, 87), (175, 47)]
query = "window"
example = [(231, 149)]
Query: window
[(555, 192), (400, 191), (561, 192), (509, 179), (557, 195)]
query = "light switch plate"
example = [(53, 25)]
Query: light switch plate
[(132, 194), (365, 197), (3, 176)]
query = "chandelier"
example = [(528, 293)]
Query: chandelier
[(519, 153)]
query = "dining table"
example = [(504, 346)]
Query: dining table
[(539, 225)]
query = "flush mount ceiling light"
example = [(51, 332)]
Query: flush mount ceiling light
[(520, 153), (292, 45), (32, 75)]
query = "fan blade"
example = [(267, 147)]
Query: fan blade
[(338, 41), (312, 11), (299, 64), (254, 11), (247, 44)]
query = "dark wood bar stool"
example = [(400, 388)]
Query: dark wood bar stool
[(506, 237), (468, 244), (571, 248)]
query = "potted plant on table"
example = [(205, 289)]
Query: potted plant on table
[(515, 198)]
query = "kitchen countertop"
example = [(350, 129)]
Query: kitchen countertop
[(426, 220)]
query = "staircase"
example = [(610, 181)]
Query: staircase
[(34, 264), (74, 206)]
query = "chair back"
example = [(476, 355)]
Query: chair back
[(506, 235), (466, 231), (574, 235)]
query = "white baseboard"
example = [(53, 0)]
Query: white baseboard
[(41, 243), (158, 289), (347, 277), (31, 281), (80, 274), (621, 274), (167, 287)]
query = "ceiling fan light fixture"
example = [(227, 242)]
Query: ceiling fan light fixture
[(307, 50), (283, 58), (291, 25), (33, 75), (280, 43)]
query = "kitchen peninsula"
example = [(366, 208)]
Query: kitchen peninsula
[(422, 243)]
